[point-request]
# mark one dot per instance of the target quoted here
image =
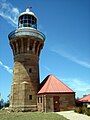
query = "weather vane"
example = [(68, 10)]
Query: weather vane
[(28, 9)]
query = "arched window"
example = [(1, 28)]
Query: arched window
[(30, 97), (30, 70)]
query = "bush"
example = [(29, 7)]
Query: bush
[(7, 104), (0, 106), (87, 112), (78, 109), (82, 110)]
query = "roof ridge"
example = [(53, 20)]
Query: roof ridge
[(52, 84), (84, 96), (49, 78), (63, 83)]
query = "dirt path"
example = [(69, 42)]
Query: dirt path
[(71, 115)]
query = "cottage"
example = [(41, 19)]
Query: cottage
[(85, 100), (54, 95)]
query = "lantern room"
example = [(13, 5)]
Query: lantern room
[(27, 19)]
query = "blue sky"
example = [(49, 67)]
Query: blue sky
[(66, 52)]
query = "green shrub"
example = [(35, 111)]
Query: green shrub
[(7, 104), (87, 111), (76, 109), (80, 110), (83, 110)]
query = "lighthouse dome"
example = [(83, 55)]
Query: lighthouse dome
[(27, 19)]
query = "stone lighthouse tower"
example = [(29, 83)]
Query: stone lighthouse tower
[(26, 43)]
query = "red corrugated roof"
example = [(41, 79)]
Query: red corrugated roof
[(85, 99), (52, 85)]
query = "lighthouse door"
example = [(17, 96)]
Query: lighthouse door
[(56, 103)]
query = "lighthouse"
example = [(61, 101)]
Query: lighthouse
[(26, 43)]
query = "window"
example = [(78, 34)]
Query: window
[(25, 21), (28, 21), (25, 16), (30, 70), (25, 24), (38, 99), (29, 17), (33, 22), (21, 17), (32, 18), (30, 47), (30, 97), (41, 99)]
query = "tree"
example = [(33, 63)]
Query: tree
[(7, 104), (1, 103)]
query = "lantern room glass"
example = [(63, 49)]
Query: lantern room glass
[(27, 21)]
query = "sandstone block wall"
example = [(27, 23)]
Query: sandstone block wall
[(66, 102)]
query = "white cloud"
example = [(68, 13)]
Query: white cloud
[(72, 58), (81, 87), (8, 69), (9, 13), (0, 63), (47, 68)]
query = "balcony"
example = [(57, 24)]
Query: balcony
[(26, 32)]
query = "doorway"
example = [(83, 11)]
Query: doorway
[(56, 103)]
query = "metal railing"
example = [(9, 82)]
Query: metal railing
[(26, 31)]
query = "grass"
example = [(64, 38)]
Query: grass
[(30, 116)]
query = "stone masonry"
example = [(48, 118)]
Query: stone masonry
[(66, 102), (26, 73)]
